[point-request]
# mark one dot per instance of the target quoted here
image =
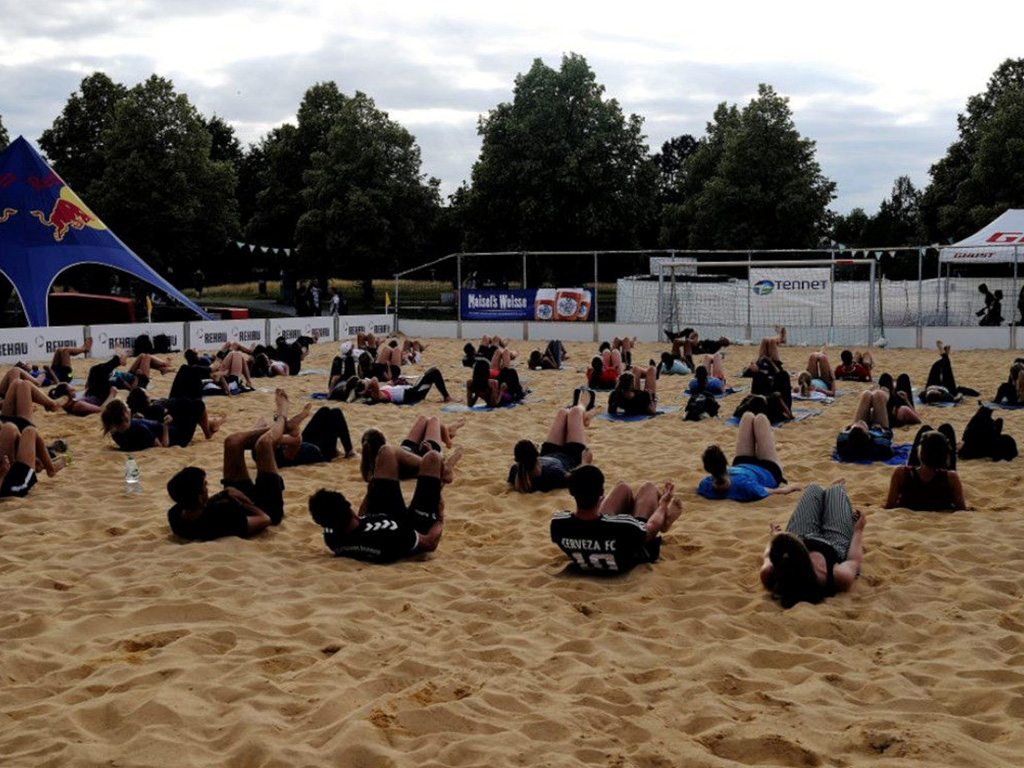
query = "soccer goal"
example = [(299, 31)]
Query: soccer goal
[(819, 301)]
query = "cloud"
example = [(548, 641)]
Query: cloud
[(876, 106)]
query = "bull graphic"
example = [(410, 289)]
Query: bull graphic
[(68, 213)]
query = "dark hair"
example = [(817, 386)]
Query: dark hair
[(191, 356), (714, 462), (525, 454), (509, 377), (137, 401), (586, 485), (481, 376), (330, 509), (846, 356), (372, 441), (596, 366), (667, 360), (625, 382), (113, 414), (469, 349), (934, 450), (795, 577), (184, 488), (885, 382), (701, 374), (604, 345), (535, 359), (686, 333)]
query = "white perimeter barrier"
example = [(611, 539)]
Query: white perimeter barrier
[(37, 345)]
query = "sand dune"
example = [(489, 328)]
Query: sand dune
[(122, 646)]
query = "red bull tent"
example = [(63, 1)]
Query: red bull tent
[(46, 228), (999, 242)]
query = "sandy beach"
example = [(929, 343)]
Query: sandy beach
[(123, 646)]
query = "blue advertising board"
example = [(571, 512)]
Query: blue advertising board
[(563, 304)]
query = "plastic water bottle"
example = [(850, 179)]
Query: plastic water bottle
[(131, 476)]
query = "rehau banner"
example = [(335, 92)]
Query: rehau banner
[(561, 304)]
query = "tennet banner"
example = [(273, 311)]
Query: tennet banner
[(782, 284), (561, 304)]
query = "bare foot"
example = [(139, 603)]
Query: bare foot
[(453, 428), (261, 423), (58, 464), (783, 335), (938, 345), (945, 350), (589, 415), (840, 481), (588, 456), (673, 513), (450, 461), (216, 423)]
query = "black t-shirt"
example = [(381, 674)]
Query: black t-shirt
[(142, 434), (223, 516), (378, 539), (556, 462), (639, 403), (609, 544)]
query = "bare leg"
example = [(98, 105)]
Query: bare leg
[(764, 440), (18, 401), (42, 455), (236, 445), (879, 403), (432, 433), (559, 429), (745, 441), (618, 501), (715, 366), (646, 501), (864, 407), (574, 425), (9, 436), (417, 432), (448, 431)]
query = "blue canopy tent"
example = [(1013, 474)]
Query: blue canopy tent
[(46, 228)]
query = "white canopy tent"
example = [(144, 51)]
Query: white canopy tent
[(999, 242)]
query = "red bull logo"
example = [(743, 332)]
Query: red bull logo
[(69, 212)]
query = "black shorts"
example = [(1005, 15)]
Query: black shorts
[(267, 493), (771, 466), (574, 451), (384, 497), (17, 421), (411, 447), (62, 372), (19, 480)]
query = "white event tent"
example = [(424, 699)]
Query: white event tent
[(999, 242)]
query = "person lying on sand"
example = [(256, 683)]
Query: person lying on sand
[(821, 550), (385, 529), (563, 450), (245, 507), (22, 454), (613, 533), (756, 470)]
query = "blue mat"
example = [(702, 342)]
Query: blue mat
[(899, 458), (482, 408), (1004, 406), (815, 397), (638, 416), (919, 401), (799, 414), (320, 395), (728, 391)]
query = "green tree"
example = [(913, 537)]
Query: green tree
[(754, 182), (560, 167), (160, 189), (982, 173), (286, 154), (4, 138), (368, 206), (898, 221), (74, 144), (848, 231)]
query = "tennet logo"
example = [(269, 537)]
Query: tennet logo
[(767, 287)]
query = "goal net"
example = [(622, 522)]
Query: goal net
[(819, 301)]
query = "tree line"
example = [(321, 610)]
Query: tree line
[(561, 167)]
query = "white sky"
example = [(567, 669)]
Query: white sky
[(877, 85)]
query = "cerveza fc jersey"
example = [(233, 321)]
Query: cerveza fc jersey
[(611, 543)]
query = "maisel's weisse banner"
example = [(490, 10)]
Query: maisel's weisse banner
[(563, 304)]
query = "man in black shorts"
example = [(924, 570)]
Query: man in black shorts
[(385, 529), (611, 534), (245, 507)]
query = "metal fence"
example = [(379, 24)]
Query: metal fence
[(910, 287)]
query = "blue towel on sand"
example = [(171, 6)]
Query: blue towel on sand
[(639, 416), (799, 414), (899, 458), (1005, 406)]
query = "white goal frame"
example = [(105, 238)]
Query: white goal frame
[(672, 267)]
